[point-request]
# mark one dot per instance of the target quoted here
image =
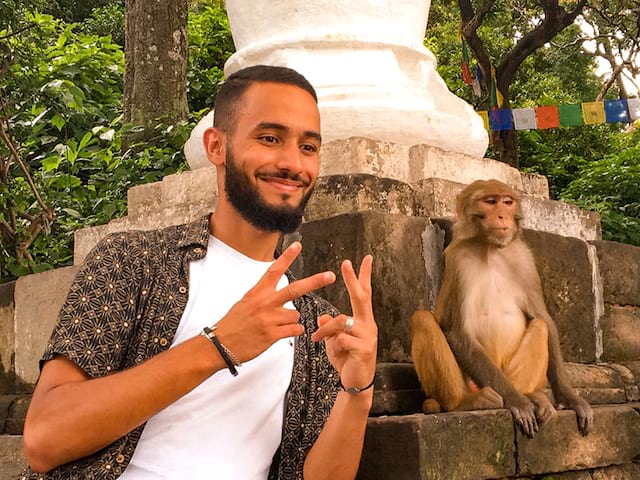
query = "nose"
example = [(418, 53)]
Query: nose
[(290, 159)]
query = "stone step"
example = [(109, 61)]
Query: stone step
[(12, 460), (13, 410), (486, 445), (398, 391)]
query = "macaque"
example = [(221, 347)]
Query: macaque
[(492, 343)]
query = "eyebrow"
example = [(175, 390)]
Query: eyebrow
[(283, 128)]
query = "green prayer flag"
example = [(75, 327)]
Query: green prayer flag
[(570, 115)]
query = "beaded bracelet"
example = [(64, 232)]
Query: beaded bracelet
[(228, 357)]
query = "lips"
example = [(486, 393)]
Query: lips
[(282, 181)]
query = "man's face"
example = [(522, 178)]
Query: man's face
[(272, 157)]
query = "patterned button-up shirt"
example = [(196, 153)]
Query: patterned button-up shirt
[(124, 307)]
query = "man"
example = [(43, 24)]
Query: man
[(135, 382)]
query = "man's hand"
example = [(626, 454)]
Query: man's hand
[(353, 354), (259, 319)]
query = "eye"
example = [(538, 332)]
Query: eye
[(508, 201), (269, 139), (309, 147), (490, 200)]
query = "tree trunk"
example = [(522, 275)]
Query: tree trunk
[(155, 75), (506, 143)]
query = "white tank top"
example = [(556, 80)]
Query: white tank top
[(227, 427)]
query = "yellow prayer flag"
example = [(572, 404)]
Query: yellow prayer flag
[(593, 112), (485, 118)]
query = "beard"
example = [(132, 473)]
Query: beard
[(246, 199)]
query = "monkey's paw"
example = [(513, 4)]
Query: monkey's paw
[(523, 411)]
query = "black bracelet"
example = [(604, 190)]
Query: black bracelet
[(222, 350), (356, 390)]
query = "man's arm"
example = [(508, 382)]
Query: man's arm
[(71, 415), (336, 453)]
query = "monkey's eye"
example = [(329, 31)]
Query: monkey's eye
[(490, 200), (508, 201)]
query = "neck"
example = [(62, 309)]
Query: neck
[(229, 227)]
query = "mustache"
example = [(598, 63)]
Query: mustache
[(285, 175)]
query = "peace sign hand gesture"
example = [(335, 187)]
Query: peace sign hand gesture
[(259, 318), (352, 344)]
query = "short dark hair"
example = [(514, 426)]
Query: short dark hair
[(233, 88)]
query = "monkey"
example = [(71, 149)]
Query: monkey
[(492, 343)]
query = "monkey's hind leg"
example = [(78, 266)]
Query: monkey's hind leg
[(439, 372), (527, 368)]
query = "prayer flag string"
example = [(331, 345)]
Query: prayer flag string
[(552, 116)]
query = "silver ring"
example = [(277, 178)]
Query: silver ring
[(348, 324)]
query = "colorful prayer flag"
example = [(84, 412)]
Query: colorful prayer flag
[(547, 117), (496, 97), (485, 118), (524, 118), (570, 115), (616, 111), (466, 74), (500, 119), (479, 75), (633, 104), (476, 88), (593, 112)]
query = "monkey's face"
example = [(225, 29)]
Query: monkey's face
[(498, 216)]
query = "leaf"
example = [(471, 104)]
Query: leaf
[(51, 163), (58, 122), (72, 212)]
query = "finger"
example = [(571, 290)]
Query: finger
[(288, 330), (302, 287), (329, 328), (274, 273), (324, 319), (359, 288)]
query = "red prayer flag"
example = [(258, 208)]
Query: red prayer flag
[(547, 117), (466, 74)]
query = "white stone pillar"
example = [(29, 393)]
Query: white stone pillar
[(366, 58)]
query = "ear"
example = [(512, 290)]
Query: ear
[(215, 144)]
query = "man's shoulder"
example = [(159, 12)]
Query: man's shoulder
[(185, 234)]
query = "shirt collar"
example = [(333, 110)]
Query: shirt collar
[(196, 233)]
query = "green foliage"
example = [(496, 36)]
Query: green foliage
[(210, 45), (64, 114), (105, 21), (610, 186)]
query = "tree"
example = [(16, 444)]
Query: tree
[(614, 29), (155, 62), (530, 28)]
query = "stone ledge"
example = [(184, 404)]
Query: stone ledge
[(484, 444), (12, 460), (38, 299), (398, 392)]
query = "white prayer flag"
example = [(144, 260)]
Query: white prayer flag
[(633, 104), (524, 118), (475, 85)]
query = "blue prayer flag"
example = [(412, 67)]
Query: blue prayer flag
[(616, 111), (500, 119)]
